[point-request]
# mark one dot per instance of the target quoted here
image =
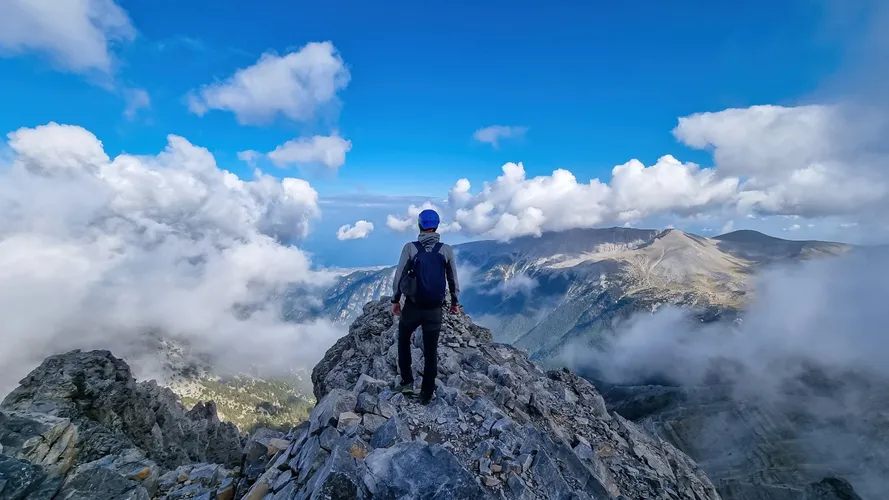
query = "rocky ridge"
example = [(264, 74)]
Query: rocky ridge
[(499, 427), (80, 427)]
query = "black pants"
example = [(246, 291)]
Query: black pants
[(430, 321)]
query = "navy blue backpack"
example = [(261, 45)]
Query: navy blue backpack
[(425, 282)]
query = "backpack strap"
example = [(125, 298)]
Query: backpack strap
[(420, 247), (437, 247)]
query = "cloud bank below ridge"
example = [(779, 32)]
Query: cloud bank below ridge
[(103, 251)]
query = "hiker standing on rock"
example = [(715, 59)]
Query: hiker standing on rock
[(426, 268)]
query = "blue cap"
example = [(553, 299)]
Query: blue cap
[(428, 219)]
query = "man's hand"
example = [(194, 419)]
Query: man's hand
[(455, 309), (396, 308)]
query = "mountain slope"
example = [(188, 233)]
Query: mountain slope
[(578, 285)]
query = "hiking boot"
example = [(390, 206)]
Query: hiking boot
[(424, 399), (406, 388)]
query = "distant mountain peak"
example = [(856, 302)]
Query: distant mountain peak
[(747, 236)]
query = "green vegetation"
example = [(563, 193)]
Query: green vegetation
[(250, 402)]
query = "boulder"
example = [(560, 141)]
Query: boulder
[(415, 470), (22, 480), (97, 394)]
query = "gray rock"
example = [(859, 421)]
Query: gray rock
[(347, 419), (547, 478), (190, 491), (90, 481), (372, 422), (484, 466), (386, 409), (21, 480), (98, 394), (483, 449), (44, 440), (390, 433), (281, 481), (328, 437), (253, 470), (367, 403), (501, 426), (525, 460), (286, 492), (328, 409), (340, 476), (281, 461), (414, 470), (205, 474), (830, 488), (517, 487), (368, 384)]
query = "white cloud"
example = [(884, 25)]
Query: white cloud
[(77, 35), (806, 160), (399, 224), (249, 156), (167, 243), (360, 230), (516, 284), (493, 134), (813, 353), (846, 225), (794, 227), (413, 211), (514, 205), (728, 227), (294, 86), (136, 99), (329, 151)]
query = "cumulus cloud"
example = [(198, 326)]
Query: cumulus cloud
[(495, 133), (294, 86), (794, 227), (137, 99), (167, 243), (514, 205), (249, 156), (77, 35), (359, 230), (410, 222), (815, 160), (329, 151), (809, 161)]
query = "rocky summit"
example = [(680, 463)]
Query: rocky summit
[(80, 427), (499, 427)]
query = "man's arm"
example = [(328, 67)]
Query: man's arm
[(451, 272), (402, 263)]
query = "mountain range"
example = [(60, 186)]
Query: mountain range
[(545, 293)]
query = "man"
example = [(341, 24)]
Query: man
[(425, 267)]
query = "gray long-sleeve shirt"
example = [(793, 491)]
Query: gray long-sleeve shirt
[(428, 240)]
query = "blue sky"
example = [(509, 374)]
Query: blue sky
[(595, 84)]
